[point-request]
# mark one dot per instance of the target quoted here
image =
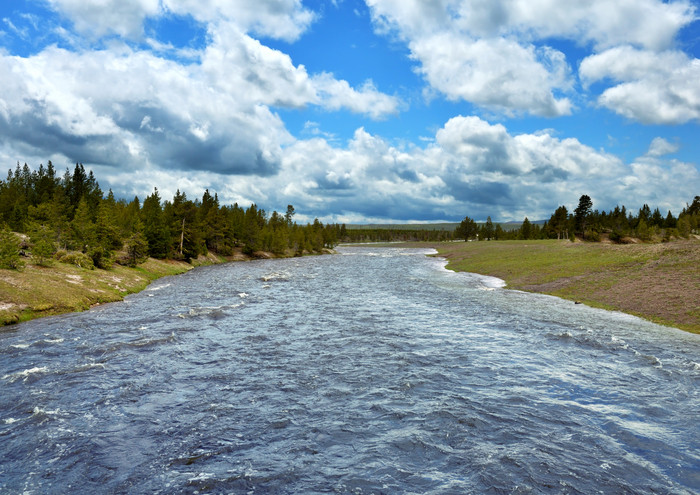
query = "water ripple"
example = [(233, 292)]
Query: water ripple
[(376, 371)]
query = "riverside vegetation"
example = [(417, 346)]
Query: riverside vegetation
[(65, 245), (644, 264), (659, 282)]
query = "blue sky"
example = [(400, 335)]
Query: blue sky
[(374, 111)]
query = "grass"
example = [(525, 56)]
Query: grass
[(60, 288), (37, 291), (659, 282)]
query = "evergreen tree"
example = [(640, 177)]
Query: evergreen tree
[(43, 245), (670, 221), (251, 235), (467, 229), (9, 250), (488, 229), (498, 233), (154, 228), (582, 212), (289, 215), (525, 232), (136, 249), (83, 234), (559, 222), (643, 230)]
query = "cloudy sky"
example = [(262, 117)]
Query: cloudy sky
[(352, 111)]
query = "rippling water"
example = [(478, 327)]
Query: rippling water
[(374, 371)]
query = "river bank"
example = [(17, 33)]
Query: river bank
[(37, 291), (658, 282)]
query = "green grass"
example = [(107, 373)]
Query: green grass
[(535, 262), (60, 288), (659, 282)]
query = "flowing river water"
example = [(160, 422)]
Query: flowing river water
[(373, 371)]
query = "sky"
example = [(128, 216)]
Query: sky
[(382, 111)]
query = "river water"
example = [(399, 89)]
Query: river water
[(372, 371)]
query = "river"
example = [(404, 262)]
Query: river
[(372, 371)]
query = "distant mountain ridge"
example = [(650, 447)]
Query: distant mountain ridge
[(448, 226)]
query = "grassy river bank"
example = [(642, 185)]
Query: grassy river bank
[(37, 291), (659, 282)]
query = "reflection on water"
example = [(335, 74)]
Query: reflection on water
[(374, 371)]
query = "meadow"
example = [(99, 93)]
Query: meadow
[(659, 282)]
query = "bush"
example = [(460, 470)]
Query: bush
[(592, 236), (9, 250), (136, 250), (101, 258), (78, 259)]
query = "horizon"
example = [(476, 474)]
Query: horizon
[(361, 112)]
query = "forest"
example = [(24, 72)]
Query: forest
[(70, 219), (618, 225)]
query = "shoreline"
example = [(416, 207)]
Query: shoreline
[(40, 291), (657, 282)]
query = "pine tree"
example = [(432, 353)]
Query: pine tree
[(9, 250), (488, 229), (43, 245), (83, 235), (154, 228), (467, 229), (582, 212), (136, 249), (525, 230)]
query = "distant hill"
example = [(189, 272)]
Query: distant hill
[(402, 226), (448, 226)]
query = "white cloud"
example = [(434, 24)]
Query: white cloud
[(496, 54), (282, 19), (649, 23), (101, 17), (660, 147), (471, 167), (498, 74), (659, 88), (121, 106), (335, 94), (134, 109)]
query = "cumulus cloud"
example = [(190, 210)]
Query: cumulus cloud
[(658, 88), (660, 147), (136, 109), (471, 167), (282, 19), (128, 107), (209, 120), (499, 74), (101, 17), (496, 54), (335, 94)]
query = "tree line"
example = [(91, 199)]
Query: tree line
[(385, 234), (68, 217), (619, 225)]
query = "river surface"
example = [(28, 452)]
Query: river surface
[(372, 371)]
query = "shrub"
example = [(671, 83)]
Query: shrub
[(101, 258), (9, 250), (78, 259), (592, 236)]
